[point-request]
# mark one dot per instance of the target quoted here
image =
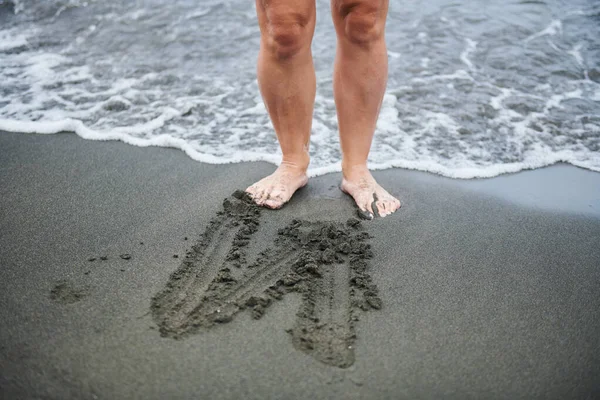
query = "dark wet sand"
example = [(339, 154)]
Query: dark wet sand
[(484, 294)]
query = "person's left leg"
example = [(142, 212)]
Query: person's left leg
[(360, 77)]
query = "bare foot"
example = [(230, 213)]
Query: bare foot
[(276, 189), (371, 199)]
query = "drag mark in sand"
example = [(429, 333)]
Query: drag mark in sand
[(220, 247), (325, 262), (324, 328), (335, 288)]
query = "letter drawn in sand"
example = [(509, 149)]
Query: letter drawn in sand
[(326, 262)]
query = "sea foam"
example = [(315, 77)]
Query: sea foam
[(463, 100)]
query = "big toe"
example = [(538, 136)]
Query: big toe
[(365, 208)]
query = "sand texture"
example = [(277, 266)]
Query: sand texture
[(137, 273)]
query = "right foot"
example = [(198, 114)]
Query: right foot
[(276, 189)]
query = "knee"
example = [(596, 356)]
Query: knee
[(287, 33), (362, 22)]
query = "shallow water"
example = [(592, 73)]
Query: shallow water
[(476, 88)]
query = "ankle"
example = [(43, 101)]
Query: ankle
[(352, 172), (294, 166), (297, 162)]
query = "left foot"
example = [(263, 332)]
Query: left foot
[(370, 197)]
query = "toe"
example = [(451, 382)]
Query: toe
[(391, 203), (382, 208), (365, 214), (275, 199), (258, 196), (273, 204), (267, 195), (279, 194), (392, 207), (368, 206), (365, 210), (251, 190)]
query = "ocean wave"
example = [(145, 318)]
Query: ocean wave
[(468, 96)]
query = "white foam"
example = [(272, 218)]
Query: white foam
[(554, 28), (404, 156), (19, 6), (555, 100), (470, 47), (70, 125), (533, 161), (388, 115), (69, 4), (576, 53), (452, 116), (11, 39), (460, 74)]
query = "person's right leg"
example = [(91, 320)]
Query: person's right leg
[(286, 78)]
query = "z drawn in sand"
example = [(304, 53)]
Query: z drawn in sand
[(325, 262)]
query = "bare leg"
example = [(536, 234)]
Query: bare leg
[(360, 77), (287, 82)]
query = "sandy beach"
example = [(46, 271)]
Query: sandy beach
[(473, 289)]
